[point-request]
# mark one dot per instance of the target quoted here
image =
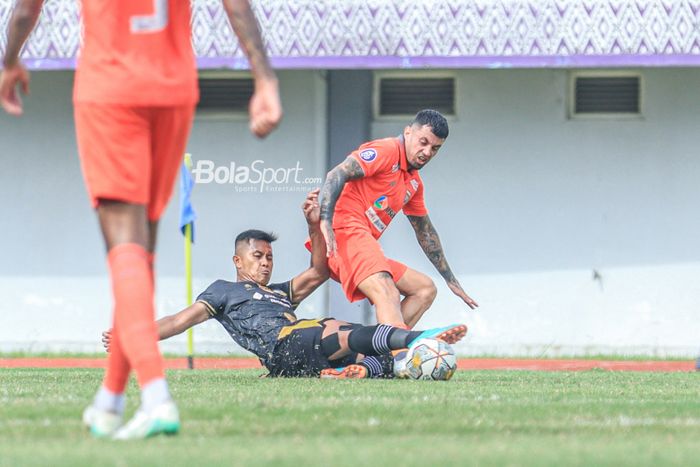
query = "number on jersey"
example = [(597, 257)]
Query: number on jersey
[(151, 23)]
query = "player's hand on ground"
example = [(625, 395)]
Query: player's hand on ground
[(329, 235), (265, 107), (311, 208), (10, 78), (107, 339), (457, 290)]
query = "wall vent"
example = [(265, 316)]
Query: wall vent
[(406, 96), (606, 95), (224, 94)]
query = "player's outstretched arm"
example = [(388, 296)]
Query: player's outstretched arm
[(178, 323), (22, 22), (347, 170), (265, 107), (308, 281), (429, 241), (172, 325)]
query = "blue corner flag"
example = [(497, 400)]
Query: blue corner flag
[(187, 214)]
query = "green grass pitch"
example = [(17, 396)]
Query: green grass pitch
[(479, 418)]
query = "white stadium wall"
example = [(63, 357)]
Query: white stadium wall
[(575, 236), (52, 274)]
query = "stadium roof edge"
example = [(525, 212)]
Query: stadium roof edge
[(336, 34)]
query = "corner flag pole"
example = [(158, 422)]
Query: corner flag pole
[(188, 277), (188, 286)]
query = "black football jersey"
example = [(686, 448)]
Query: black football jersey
[(252, 314)]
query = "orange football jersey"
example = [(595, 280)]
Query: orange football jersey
[(136, 52)]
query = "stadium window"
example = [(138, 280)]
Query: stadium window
[(605, 94), (224, 94), (404, 95)]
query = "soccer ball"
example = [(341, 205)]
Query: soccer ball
[(426, 358)]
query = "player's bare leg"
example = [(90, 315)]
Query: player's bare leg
[(123, 223), (419, 292), (152, 236), (380, 289)]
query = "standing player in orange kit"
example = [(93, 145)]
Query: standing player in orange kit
[(135, 94)]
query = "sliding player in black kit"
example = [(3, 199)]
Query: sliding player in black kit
[(260, 317)]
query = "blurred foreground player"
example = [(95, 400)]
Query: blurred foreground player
[(259, 316), (134, 98), (360, 198)]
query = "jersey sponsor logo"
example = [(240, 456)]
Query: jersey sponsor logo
[(390, 212), (257, 296), (375, 220), (414, 184), (381, 203), (368, 155)]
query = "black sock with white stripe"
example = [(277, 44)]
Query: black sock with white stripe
[(380, 366), (380, 339), (373, 365)]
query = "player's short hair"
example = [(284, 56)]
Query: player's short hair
[(254, 234), (435, 120)]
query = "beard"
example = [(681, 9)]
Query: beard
[(415, 166)]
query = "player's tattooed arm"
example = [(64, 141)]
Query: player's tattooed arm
[(429, 241), (347, 170)]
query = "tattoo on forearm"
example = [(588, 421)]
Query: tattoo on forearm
[(246, 27), (429, 241), (335, 182)]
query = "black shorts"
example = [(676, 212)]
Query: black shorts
[(299, 353)]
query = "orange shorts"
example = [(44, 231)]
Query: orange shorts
[(132, 154), (359, 255)]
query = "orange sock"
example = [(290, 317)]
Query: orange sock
[(134, 315), (117, 374)]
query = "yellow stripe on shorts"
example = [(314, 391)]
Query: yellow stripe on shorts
[(301, 324)]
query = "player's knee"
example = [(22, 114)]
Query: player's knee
[(428, 292)]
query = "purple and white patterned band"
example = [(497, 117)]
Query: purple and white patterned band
[(418, 34)]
